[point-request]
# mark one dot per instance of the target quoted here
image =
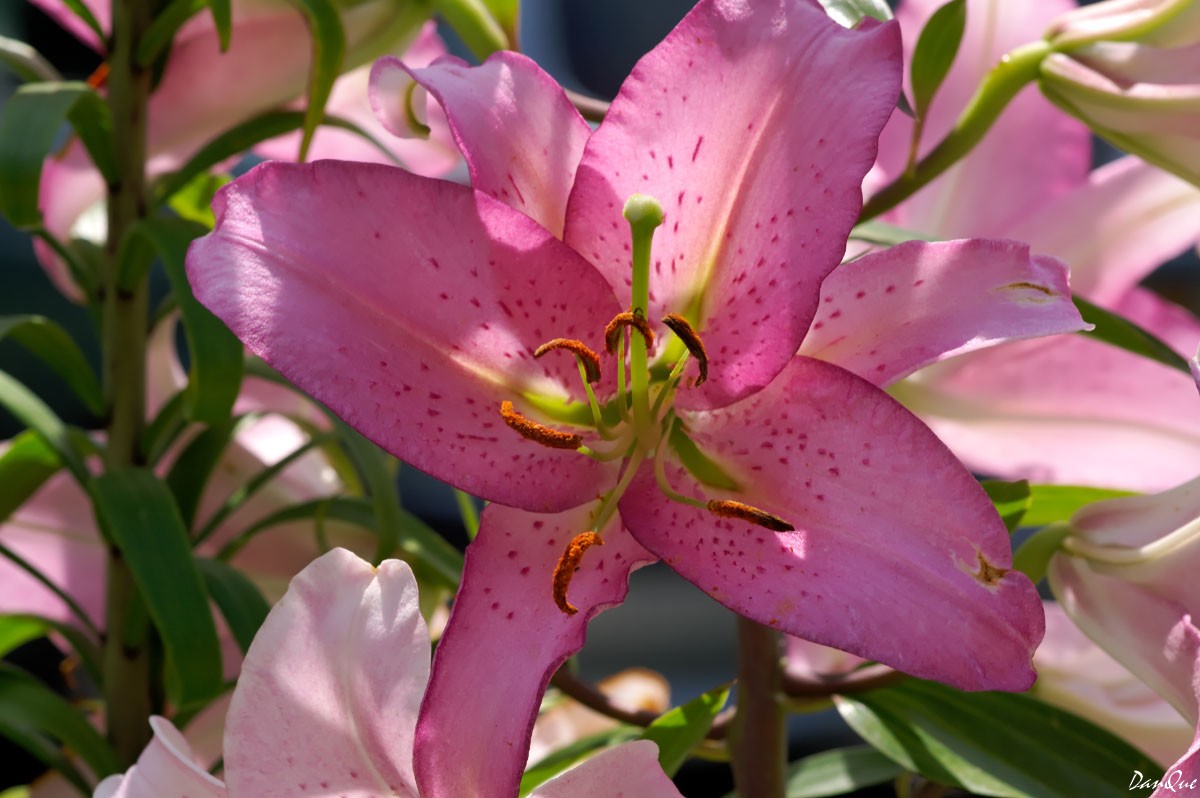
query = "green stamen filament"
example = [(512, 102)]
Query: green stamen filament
[(622, 404), (608, 506), (660, 470)]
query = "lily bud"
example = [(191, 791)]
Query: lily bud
[(1158, 23)]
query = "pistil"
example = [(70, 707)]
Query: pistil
[(644, 215)]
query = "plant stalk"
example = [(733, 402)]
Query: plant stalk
[(758, 737)]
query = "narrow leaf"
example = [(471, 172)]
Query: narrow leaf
[(472, 20), (1012, 500), (31, 411), (192, 469), (17, 630), (1052, 503), (373, 467), (240, 601), (80, 9), (507, 14), (54, 346), (24, 467), (1033, 556), (85, 647), (222, 14), (328, 50), (216, 355), (1124, 334), (849, 13), (138, 512), (935, 51), (30, 711), (837, 772), (884, 234), (999, 744), (25, 61), (684, 727), (162, 31), (33, 119)]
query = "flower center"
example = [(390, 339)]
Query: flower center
[(639, 423)]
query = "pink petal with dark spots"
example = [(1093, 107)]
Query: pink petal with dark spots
[(898, 555), (889, 313), (521, 136), (759, 189), (411, 307), (328, 696), (505, 639)]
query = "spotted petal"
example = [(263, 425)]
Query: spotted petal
[(328, 696), (898, 556), (412, 308), (759, 190), (888, 314), (504, 641)]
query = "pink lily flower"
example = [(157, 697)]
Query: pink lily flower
[(204, 92), (327, 704), (1064, 409), (416, 309), (1125, 577)]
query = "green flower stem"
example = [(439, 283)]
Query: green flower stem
[(644, 215), (1015, 71), (758, 738), (128, 683)]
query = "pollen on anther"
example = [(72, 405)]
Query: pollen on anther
[(568, 564), (612, 333), (590, 360), (725, 508), (555, 439), (680, 326)]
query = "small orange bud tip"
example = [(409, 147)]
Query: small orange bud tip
[(612, 333), (732, 509), (691, 339), (539, 433), (568, 564), (98, 78), (590, 360)]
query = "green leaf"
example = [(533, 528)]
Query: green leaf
[(194, 201), (25, 61), (241, 603), (39, 720), (1053, 503), (163, 430), (17, 630), (24, 467), (31, 411), (216, 354), (1033, 556), (837, 772), (162, 31), (562, 758), (138, 512), (999, 744), (883, 234), (507, 14), (222, 14), (85, 647), (54, 346), (33, 118), (336, 508), (1012, 500), (472, 20), (1124, 334), (374, 469), (80, 9), (848, 13), (935, 51), (328, 51), (241, 138), (192, 469), (684, 727)]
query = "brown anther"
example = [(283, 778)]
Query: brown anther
[(555, 439), (732, 509), (612, 333), (568, 564), (680, 326), (98, 78), (590, 360)]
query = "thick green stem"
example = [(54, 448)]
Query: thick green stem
[(1015, 71), (128, 690), (758, 738)]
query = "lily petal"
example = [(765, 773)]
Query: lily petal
[(328, 696), (425, 300), (898, 556), (521, 136), (1136, 216), (1070, 410), (889, 313), (165, 769), (759, 191), (71, 199), (1032, 151), (630, 769), (505, 631)]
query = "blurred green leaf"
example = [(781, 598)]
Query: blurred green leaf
[(222, 15), (216, 355), (189, 474), (472, 20), (1124, 334), (32, 121), (998, 744), (935, 51), (240, 602), (80, 9), (374, 467), (17, 630), (677, 732), (25, 61), (507, 14), (31, 411), (848, 13), (1011, 499), (884, 234), (562, 758), (1051, 503), (24, 467), (47, 726), (328, 51), (837, 772), (138, 512), (84, 646), (1032, 558), (162, 31), (54, 346), (194, 201)]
